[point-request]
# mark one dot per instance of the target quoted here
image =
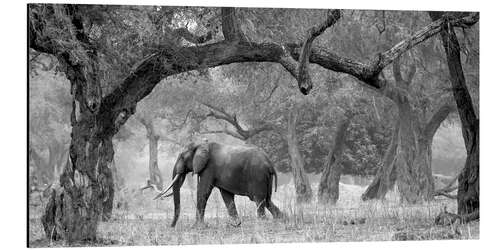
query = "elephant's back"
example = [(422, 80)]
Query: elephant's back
[(242, 157), (243, 170)]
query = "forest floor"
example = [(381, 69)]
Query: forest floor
[(141, 221)]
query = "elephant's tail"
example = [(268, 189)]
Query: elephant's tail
[(275, 182), (273, 172)]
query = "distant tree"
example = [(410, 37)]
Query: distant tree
[(49, 127), (328, 189)]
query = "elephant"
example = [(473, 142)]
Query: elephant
[(234, 170)]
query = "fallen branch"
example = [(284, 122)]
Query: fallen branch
[(450, 187), (446, 218), (149, 185), (445, 194)]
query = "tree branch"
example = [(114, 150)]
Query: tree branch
[(180, 125), (75, 53), (396, 71), (192, 38), (230, 25), (121, 102), (438, 117), (225, 131), (167, 62), (240, 133), (303, 78), (451, 196)]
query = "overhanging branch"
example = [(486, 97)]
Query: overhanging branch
[(121, 102), (303, 78)]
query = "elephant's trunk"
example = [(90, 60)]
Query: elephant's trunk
[(177, 198)]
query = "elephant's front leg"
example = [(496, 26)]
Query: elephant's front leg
[(205, 186), (228, 198)]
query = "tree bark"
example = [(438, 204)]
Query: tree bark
[(328, 189), (85, 187), (86, 184), (409, 156), (468, 180), (153, 138), (302, 186), (413, 158), (386, 175)]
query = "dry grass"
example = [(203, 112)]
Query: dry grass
[(145, 222)]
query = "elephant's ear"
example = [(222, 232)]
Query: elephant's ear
[(200, 158)]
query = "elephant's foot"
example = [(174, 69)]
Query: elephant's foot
[(280, 216), (235, 222), (199, 225)]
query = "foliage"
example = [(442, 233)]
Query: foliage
[(257, 93)]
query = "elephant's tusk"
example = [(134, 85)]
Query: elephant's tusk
[(167, 195), (168, 188)]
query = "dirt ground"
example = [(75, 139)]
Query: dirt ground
[(141, 221)]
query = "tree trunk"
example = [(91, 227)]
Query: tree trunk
[(328, 189), (86, 185), (154, 172), (468, 180), (409, 156), (386, 175), (413, 158), (302, 186), (85, 191)]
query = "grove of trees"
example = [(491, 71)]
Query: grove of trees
[(322, 91)]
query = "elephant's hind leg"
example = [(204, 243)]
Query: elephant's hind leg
[(231, 206), (261, 205), (275, 211)]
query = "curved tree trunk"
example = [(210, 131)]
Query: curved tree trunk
[(154, 172), (76, 205), (303, 189), (468, 180), (409, 156), (328, 189), (386, 175)]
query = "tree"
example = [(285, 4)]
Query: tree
[(328, 189), (240, 132), (68, 32), (303, 189), (408, 157), (468, 180), (49, 120)]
